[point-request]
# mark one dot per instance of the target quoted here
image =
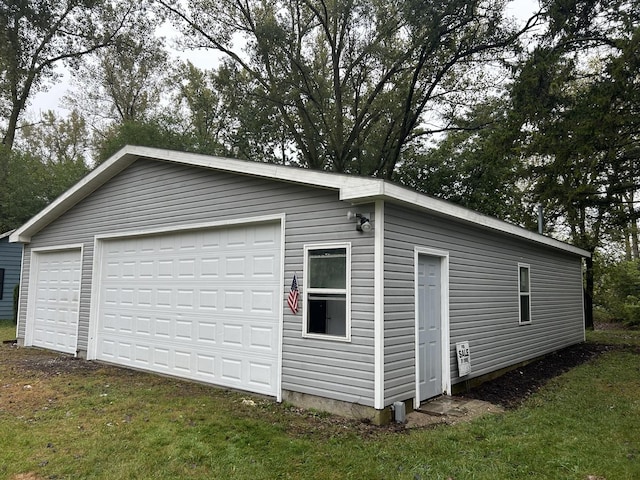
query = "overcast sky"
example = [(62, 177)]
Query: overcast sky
[(51, 99)]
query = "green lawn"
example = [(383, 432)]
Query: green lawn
[(70, 421), (7, 330)]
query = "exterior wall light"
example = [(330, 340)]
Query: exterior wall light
[(363, 223)]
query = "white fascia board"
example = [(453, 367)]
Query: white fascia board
[(451, 210), (6, 234), (129, 154), (351, 188), (246, 167), (68, 199)]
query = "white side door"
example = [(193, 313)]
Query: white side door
[(429, 327)]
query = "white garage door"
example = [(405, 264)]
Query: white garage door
[(199, 304), (53, 315)]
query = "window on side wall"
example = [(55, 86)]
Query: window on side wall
[(1, 283), (524, 293), (327, 291)]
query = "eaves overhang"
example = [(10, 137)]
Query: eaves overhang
[(350, 188)]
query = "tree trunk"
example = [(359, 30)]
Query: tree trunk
[(10, 135), (588, 294), (633, 233), (627, 243)]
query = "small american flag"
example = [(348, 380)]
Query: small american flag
[(292, 300)]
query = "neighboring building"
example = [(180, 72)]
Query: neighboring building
[(10, 259), (182, 264)]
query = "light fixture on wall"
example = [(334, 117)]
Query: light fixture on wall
[(363, 223)]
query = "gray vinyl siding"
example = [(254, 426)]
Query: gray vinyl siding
[(10, 259), (154, 194), (483, 296)]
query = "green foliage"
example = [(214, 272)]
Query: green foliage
[(208, 108), (50, 158), (477, 166), (28, 185), (618, 291), (577, 95), (124, 81), (23, 184), (151, 133)]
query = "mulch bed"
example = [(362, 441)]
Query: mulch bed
[(515, 386)]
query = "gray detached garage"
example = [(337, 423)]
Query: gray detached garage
[(183, 264)]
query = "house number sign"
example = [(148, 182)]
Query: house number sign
[(464, 358)]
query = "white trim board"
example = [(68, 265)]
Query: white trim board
[(351, 188), (444, 318), (378, 306)]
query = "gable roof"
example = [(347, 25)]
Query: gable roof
[(350, 188)]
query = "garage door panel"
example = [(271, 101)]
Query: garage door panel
[(195, 334), (263, 338), (203, 305), (53, 317), (225, 366)]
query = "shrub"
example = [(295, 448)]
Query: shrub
[(619, 291)]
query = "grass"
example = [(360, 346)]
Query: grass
[(7, 330), (76, 419)]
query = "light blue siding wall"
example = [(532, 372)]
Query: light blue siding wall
[(153, 194), (10, 260), (483, 284)]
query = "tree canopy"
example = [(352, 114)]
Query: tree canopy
[(353, 82), (450, 97), (36, 37)]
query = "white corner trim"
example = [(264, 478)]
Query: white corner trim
[(21, 292), (283, 290), (94, 299), (378, 306)]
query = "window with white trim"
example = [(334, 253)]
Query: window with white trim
[(327, 291), (524, 293)]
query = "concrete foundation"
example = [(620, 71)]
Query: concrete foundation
[(344, 409)]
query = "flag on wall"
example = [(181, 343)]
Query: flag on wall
[(292, 301)]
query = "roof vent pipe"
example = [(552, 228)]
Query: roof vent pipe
[(540, 219)]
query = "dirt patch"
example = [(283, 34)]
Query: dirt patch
[(26, 476), (50, 364)]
